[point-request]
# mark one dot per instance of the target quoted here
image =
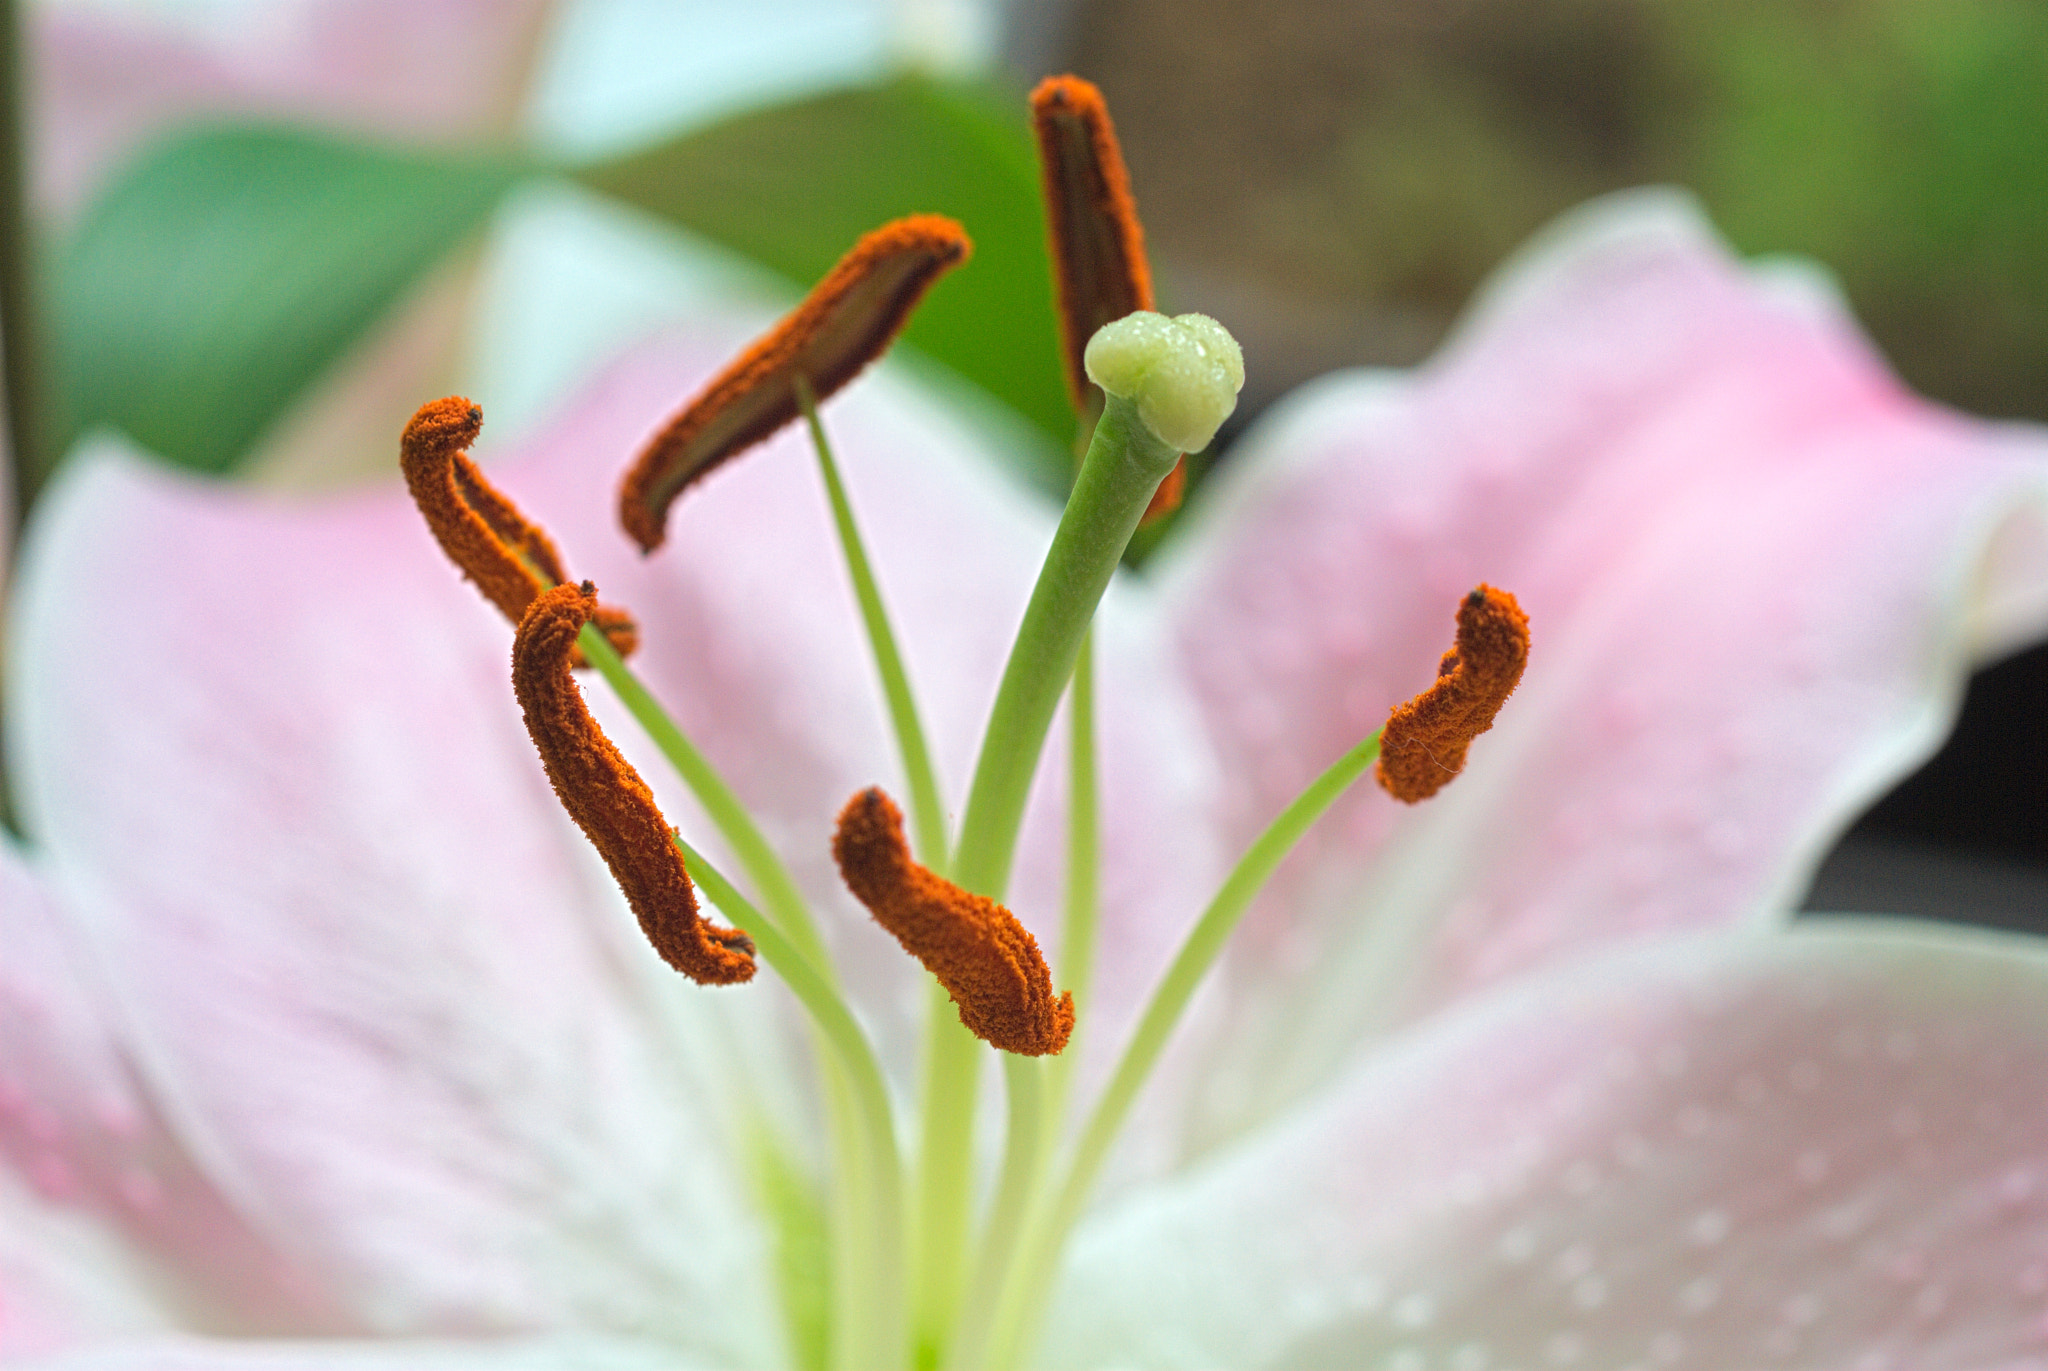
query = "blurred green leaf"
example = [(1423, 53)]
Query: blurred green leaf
[(793, 187), (227, 269)]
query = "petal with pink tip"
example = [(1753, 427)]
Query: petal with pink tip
[(1813, 1148), (67, 1279), (1755, 569), (108, 1223)]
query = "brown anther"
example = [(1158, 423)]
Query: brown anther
[(1423, 744), (1098, 245), (489, 540), (847, 321), (988, 962), (607, 798)]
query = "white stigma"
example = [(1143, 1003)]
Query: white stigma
[(1183, 373)]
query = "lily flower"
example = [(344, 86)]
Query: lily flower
[(332, 1042)]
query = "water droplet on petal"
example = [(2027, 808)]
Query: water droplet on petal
[(1415, 1311), (1564, 1349), (1516, 1245), (1708, 1227), (1801, 1310), (1700, 1294)]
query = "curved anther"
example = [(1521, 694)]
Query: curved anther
[(988, 961), (489, 540), (1100, 272), (1423, 744), (607, 798), (847, 321)]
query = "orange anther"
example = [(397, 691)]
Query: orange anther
[(607, 798), (1098, 245), (988, 962), (487, 538), (1423, 744), (847, 321)]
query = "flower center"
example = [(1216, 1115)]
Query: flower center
[(961, 1283)]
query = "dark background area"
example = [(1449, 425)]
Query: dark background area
[(1384, 155)]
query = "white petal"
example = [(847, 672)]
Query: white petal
[(1816, 1148), (378, 985)]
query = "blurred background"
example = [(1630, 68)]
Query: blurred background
[(1383, 156)]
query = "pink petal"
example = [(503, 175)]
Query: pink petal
[(580, 1353), (382, 991), (1755, 569), (66, 1278), (108, 1225), (1816, 1148), (439, 70), (385, 981)]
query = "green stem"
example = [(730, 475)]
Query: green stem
[(1125, 464), (927, 811), (778, 888), (868, 1261), (851, 1334), (1031, 1277), (1039, 1090)]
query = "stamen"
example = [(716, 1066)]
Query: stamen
[(489, 540), (987, 961), (1098, 245), (847, 321), (1423, 744), (607, 798)]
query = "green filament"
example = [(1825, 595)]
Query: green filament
[(927, 812), (1031, 1276), (778, 888)]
